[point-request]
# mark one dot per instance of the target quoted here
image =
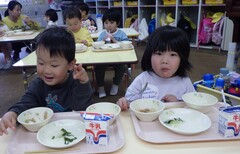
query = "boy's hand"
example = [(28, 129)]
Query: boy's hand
[(80, 73), (122, 102), (169, 98), (8, 120)]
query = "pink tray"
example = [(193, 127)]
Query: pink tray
[(155, 132), (23, 140)]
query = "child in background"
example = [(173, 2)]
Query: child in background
[(14, 21), (61, 85), (73, 19), (51, 18), (165, 65), (86, 19), (6, 48), (111, 21)]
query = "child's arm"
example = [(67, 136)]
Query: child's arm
[(32, 24), (80, 74), (8, 120), (122, 102)]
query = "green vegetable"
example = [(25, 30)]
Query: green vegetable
[(174, 121), (68, 137)]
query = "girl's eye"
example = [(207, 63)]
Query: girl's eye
[(174, 54), (158, 53)]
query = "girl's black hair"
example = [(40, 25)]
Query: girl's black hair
[(58, 41), (11, 6), (168, 38), (72, 12), (112, 15), (52, 14)]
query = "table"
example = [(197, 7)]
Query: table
[(87, 58), (135, 145), (20, 38)]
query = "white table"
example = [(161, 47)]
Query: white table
[(19, 38), (87, 58), (135, 145)]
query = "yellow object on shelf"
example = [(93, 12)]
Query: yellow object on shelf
[(117, 3), (169, 2), (132, 3), (213, 1), (189, 2)]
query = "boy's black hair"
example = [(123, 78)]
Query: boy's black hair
[(72, 12), (112, 15), (11, 6), (58, 41), (83, 7), (168, 38), (52, 14)]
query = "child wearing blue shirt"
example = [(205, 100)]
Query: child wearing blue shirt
[(111, 34)]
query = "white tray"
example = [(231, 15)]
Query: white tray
[(24, 141), (154, 132)]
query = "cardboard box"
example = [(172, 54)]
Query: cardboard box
[(97, 128), (229, 122), (213, 1)]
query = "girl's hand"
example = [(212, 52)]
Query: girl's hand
[(122, 102), (169, 98), (80, 73), (8, 121), (27, 19)]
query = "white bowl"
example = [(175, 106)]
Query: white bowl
[(79, 46), (202, 102), (126, 44), (147, 109), (98, 45), (105, 108), (35, 118)]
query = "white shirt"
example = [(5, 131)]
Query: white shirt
[(158, 87)]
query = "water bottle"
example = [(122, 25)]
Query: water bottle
[(99, 22), (219, 84), (208, 80), (224, 73)]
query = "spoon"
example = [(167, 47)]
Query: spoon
[(224, 99)]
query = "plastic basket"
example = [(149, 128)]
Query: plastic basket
[(201, 88), (189, 2), (169, 2), (213, 1)]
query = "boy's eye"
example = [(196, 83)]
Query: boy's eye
[(40, 63), (54, 65), (174, 54), (158, 53)]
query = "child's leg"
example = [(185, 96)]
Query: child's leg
[(119, 72), (100, 75)]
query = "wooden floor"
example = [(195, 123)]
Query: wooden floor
[(203, 61)]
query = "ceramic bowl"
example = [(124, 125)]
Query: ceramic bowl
[(126, 44), (147, 109), (79, 46), (35, 118), (105, 108), (202, 102), (98, 45)]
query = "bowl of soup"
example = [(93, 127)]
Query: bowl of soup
[(147, 109), (35, 118)]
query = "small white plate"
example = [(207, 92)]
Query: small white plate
[(187, 121), (84, 48), (51, 135)]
